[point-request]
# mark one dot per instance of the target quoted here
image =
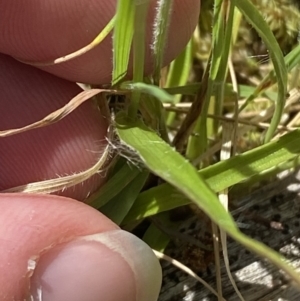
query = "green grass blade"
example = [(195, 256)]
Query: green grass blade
[(114, 185), (156, 200), (122, 38), (161, 27), (222, 175), (152, 90), (257, 21), (218, 38), (104, 33), (213, 101), (244, 91), (188, 89), (165, 161), (117, 208), (177, 171), (139, 39), (153, 114), (178, 75), (156, 239), (180, 67), (292, 59), (197, 144)]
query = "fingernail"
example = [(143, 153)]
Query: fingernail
[(111, 266)]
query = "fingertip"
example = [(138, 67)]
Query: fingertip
[(42, 39), (30, 224), (139, 257), (81, 270), (110, 266)]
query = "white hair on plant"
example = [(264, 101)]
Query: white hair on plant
[(161, 24), (126, 152)]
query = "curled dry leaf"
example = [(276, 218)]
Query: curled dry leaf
[(61, 183), (58, 114)]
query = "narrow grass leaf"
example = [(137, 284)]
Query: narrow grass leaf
[(160, 30), (139, 39), (57, 115), (117, 208), (292, 59), (152, 90), (180, 68), (122, 38), (212, 100), (113, 186), (161, 230), (163, 160), (223, 175), (214, 96), (257, 21), (168, 164), (156, 200), (244, 91), (156, 239), (178, 75)]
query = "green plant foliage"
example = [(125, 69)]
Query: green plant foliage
[(117, 208), (116, 183), (257, 21), (177, 171), (161, 27), (160, 94), (178, 75), (122, 40), (144, 130), (222, 175)]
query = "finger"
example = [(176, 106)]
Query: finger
[(39, 31), (57, 249), (69, 146)]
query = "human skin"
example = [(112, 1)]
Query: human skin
[(44, 228), (36, 31)]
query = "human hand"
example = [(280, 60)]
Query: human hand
[(79, 253)]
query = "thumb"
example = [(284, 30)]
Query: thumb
[(91, 267), (59, 249)]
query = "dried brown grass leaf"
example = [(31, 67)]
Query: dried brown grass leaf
[(62, 183), (185, 269), (58, 114)]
